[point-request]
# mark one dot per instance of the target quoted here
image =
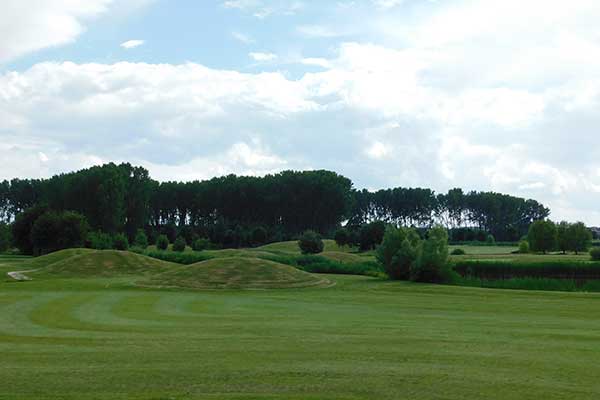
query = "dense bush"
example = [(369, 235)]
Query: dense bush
[(5, 237), (141, 239), (432, 261), (490, 240), (259, 236), (179, 244), (458, 252), (371, 235), (398, 252), (162, 242), (200, 244), (595, 254), (342, 237), (99, 241), (311, 243), (523, 247), (120, 242)]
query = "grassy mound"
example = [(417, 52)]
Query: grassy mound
[(292, 247), (107, 263), (236, 273), (52, 258)]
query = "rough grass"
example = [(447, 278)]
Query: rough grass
[(236, 273), (364, 338), (292, 247), (48, 259), (105, 263)]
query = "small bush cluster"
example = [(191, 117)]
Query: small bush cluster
[(404, 255), (120, 242), (201, 244), (162, 242), (310, 243), (179, 244), (595, 254), (523, 247), (458, 252)]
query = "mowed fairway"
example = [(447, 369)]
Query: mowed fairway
[(364, 338)]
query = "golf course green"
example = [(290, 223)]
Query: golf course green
[(99, 336)]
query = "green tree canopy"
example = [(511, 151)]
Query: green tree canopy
[(542, 236)]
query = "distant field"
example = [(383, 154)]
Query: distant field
[(479, 250)]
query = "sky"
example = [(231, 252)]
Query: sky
[(478, 94)]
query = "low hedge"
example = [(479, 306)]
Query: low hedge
[(503, 270)]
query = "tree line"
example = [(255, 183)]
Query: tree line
[(230, 209), (505, 217)]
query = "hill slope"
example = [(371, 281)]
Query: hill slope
[(236, 273), (107, 263)]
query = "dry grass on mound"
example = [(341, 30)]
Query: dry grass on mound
[(236, 273), (106, 263)]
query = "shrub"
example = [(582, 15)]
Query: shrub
[(141, 240), (342, 237), (179, 244), (120, 242), (523, 247), (162, 242), (458, 252), (100, 241), (398, 252), (490, 240), (595, 254), (259, 236), (371, 235), (432, 261), (201, 244), (5, 237), (311, 243)]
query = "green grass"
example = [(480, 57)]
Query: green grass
[(292, 247), (236, 273), (363, 338), (485, 250)]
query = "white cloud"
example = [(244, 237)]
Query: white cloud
[(241, 37), (387, 4), (262, 57), (482, 94), (318, 62), (265, 8), (319, 31), (130, 44), (378, 150), (29, 25)]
